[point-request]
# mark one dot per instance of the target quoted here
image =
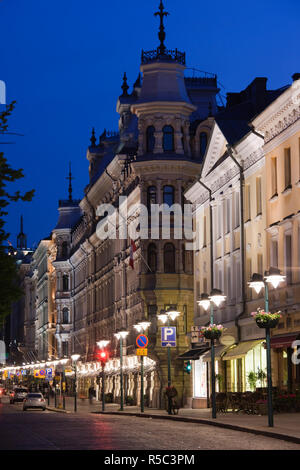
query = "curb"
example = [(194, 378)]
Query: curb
[(57, 410), (234, 427)]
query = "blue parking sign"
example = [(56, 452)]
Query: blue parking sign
[(168, 336)]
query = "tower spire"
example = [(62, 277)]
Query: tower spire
[(70, 178), (124, 86), (21, 238), (93, 138), (161, 35)]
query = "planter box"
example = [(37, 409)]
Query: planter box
[(267, 324), (261, 408), (212, 334)]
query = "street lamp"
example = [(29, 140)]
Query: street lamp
[(258, 282), (75, 358), (215, 298), (164, 317), (121, 335), (142, 326), (103, 358)]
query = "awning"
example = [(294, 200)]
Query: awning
[(283, 341), (192, 354), (241, 350), (219, 350)]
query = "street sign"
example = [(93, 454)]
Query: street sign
[(142, 352), (196, 335), (168, 336), (142, 341)]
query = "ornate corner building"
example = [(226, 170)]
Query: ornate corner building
[(164, 126)]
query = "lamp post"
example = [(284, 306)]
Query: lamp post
[(75, 358), (102, 345), (258, 282), (121, 335), (142, 326), (215, 298), (165, 317)]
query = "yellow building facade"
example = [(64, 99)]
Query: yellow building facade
[(280, 126)]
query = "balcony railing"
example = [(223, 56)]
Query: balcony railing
[(167, 55)]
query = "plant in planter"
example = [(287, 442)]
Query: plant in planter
[(212, 331), (261, 407), (130, 401), (266, 319), (261, 376), (219, 379), (252, 379), (109, 398)]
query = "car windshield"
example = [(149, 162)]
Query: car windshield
[(21, 390), (34, 395)]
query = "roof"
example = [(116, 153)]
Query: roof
[(192, 354), (241, 350)]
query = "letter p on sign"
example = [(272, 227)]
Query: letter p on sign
[(168, 336)]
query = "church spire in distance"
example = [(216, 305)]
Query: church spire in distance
[(161, 35), (21, 238), (70, 178)]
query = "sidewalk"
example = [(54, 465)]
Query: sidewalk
[(286, 425)]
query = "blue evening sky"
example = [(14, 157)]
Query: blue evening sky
[(63, 62)]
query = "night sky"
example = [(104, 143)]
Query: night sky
[(63, 62)]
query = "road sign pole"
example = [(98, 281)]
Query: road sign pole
[(103, 388), (142, 384)]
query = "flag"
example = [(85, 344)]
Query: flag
[(132, 250)]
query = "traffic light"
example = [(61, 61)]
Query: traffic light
[(102, 356), (187, 367)]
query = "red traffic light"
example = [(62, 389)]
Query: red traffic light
[(102, 356)]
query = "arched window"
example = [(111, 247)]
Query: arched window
[(169, 258), (65, 316), (168, 139), (168, 195), (151, 197), (65, 282), (150, 139), (64, 250), (203, 143), (152, 257)]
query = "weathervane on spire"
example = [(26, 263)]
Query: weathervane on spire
[(70, 178), (161, 35)]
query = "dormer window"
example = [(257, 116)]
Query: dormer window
[(150, 139), (168, 139)]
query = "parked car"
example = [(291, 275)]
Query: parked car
[(18, 394), (34, 400)]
